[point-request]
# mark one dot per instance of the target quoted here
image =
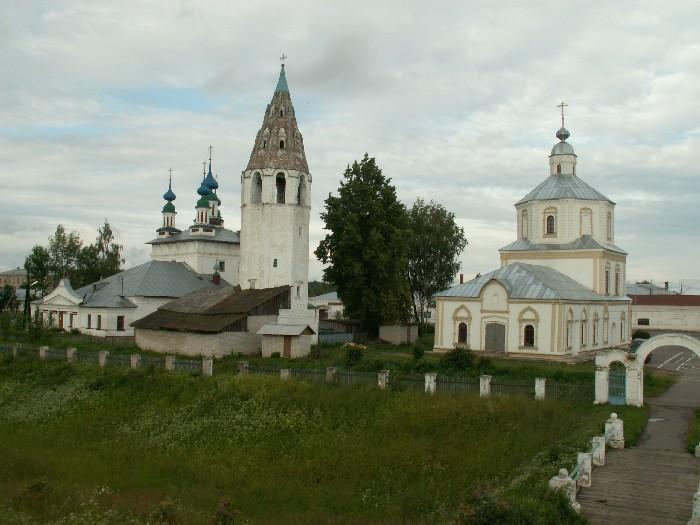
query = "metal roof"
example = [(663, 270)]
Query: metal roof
[(16, 272), (220, 235), (151, 279), (330, 296), (585, 242), (562, 186), (529, 281), (286, 329)]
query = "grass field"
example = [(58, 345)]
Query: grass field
[(84, 445)]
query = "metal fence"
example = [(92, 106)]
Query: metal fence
[(501, 387), (311, 374), (334, 338), (123, 360), (91, 358), (458, 384), (152, 362), (188, 365)]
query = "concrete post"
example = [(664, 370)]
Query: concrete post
[(331, 372), (135, 361), (170, 362), (614, 432), (285, 373), (102, 358), (70, 354), (540, 388), (485, 386), (563, 482), (697, 450), (43, 353), (430, 383), (695, 517), (634, 386), (585, 468), (383, 379), (207, 366), (14, 350), (601, 384), (242, 368), (598, 450)]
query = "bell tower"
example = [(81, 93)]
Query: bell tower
[(276, 203)]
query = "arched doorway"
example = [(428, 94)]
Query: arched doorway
[(617, 383), (495, 337)]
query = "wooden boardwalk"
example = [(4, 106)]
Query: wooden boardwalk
[(641, 487)]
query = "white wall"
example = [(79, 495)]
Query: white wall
[(193, 344), (678, 318), (201, 256)]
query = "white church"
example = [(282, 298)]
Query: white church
[(560, 290), (270, 251)]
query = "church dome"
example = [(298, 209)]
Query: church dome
[(203, 203), (210, 181), (563, 148), (203, 190), (563, 133), (169, 207), (169, 195), (214, 197)]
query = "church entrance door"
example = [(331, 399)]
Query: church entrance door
[(287, 350), (495, 337)]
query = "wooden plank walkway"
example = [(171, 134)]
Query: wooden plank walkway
[(641, 487)]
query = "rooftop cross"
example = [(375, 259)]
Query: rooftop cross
[(562, 105), (204, 168), (170, 178), (283, 58), (210, 148)]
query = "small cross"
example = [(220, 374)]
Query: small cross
[(210, 148), (171, 174), (283, 58), (562, 105), (204, 167)]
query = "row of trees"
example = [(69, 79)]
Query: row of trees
[(386, 260), (67, 256)]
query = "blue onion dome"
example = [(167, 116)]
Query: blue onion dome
[(169, 207), (210, 181), (203, 203), (203, 190), (563, 133), (169, 195)]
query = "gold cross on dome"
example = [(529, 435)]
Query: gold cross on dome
[(562, 105)]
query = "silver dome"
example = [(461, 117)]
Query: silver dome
[(563, 148)]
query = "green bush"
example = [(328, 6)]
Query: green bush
[(418, 352), (353, 355), (458, 359), (275, 355)]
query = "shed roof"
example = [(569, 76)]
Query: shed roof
[(529, 281), (286, 329)]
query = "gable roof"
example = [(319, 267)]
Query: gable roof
[(585, 242), (529, 281), (286, 329), (562, 186)]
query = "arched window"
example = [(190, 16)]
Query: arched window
[(607, 279), (584, 329), (623, 337), (551, 226), (281, 144), (264, 144), (596, 321), (281, 185), (281, 113), (606, 323), (617, 280), (569, 327), (608, 226), (523, 224), (256, 189), (558, 168), (462, 333), (529, 335)]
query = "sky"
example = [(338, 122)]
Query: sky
[(456, 100)]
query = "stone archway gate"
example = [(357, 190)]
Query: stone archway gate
[(634, 366)]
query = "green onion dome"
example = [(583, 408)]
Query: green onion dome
[(169, 208), (203, 203)]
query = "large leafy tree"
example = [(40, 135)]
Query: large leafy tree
[(435, 245), (366, 249), (109, 253), (64, 250), (38, 266)]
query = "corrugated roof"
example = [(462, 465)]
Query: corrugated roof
[(330, 296), (186, 322), (529, 281), (220, 235), (647, 289), (286, 329), (563, 187), (585, 242), (151, 279)]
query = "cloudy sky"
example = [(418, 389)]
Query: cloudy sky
[(456, 100)]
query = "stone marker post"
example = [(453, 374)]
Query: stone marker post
[(614, 432), (585, 468), (383, 379), (43, 353), (170, 362), (70, 354), (695, 517), (563, 482), (135, 360), (331, 372), (102, 358), (285, 373), (540, 388), (485, 386), (430, 383), (207, 366), (598, 448), (243, 368), (601, 384)]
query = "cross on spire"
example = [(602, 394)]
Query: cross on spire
[(204, 168), (210, 148), (282, 59), (170, 178), (562, 105)]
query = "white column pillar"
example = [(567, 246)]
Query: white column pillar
[(383, 380), (634, 385), (430, 383), (102, 358), (563, 482), (242, 368), (601, 384), (695, 517), (614, 432), (285, 373), (485, 386), (331, 372), (170, 362), (207, 366), (540, 387), (585, 467), (70, 354), (598, 450), (135, 360), (43, 353)]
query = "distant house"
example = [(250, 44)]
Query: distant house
[(106, 308), (14, 278), (679, 313), (328, 304), (223, 320)]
